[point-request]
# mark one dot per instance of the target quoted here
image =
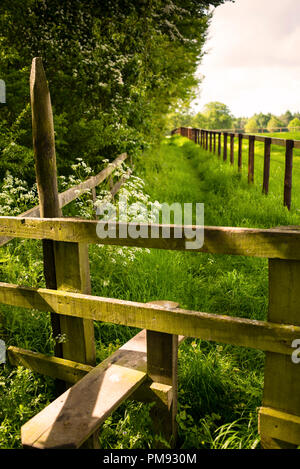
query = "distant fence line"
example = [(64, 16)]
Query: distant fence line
[(207, 139)]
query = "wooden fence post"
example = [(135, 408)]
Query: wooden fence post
[(210, 142), (219, 144), (225, 147), (251, 159), (214, 142), (45, 166), (281, 382), (206, 140), (66, 264), (240, 152), (267, 155), (232, 149), (288, 173), (162, 353)]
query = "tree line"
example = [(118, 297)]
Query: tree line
[(116, 70), (216, 115)]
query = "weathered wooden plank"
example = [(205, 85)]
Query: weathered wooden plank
[(59, 368), (75, 192), (260, 335), (282, 383), (279, 426), (282, 244), (69, 420)]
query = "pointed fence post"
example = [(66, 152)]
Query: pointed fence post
[(45, 167), (66, 265)]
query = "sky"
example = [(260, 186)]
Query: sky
[(253, 58)]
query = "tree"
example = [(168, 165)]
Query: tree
[(262, 120), (200, 121), (251, 125), (286, 118), (274, 123), (217, 116), (294, 124), (115, 69)]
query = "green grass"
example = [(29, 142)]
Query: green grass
[(220, 386)]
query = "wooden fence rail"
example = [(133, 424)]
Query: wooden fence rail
[(203, 136), (145, 368)]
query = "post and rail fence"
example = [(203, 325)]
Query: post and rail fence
[(207, 139), (145, 368)]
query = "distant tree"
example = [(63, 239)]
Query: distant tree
[(200, 121), (239, 123), (217, 115), (286, 118), (251, 125), (294, 124), (262, 119), (274, 123)]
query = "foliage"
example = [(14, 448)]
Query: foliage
[(115, 70), (251, 125), (294, 124), (216, 115), (274, 123)]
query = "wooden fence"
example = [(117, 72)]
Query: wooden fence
[(145, 368), (212, 141)]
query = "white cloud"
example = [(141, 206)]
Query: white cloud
[(253, 59)]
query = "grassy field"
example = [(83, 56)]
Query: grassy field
[(220, 386)]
